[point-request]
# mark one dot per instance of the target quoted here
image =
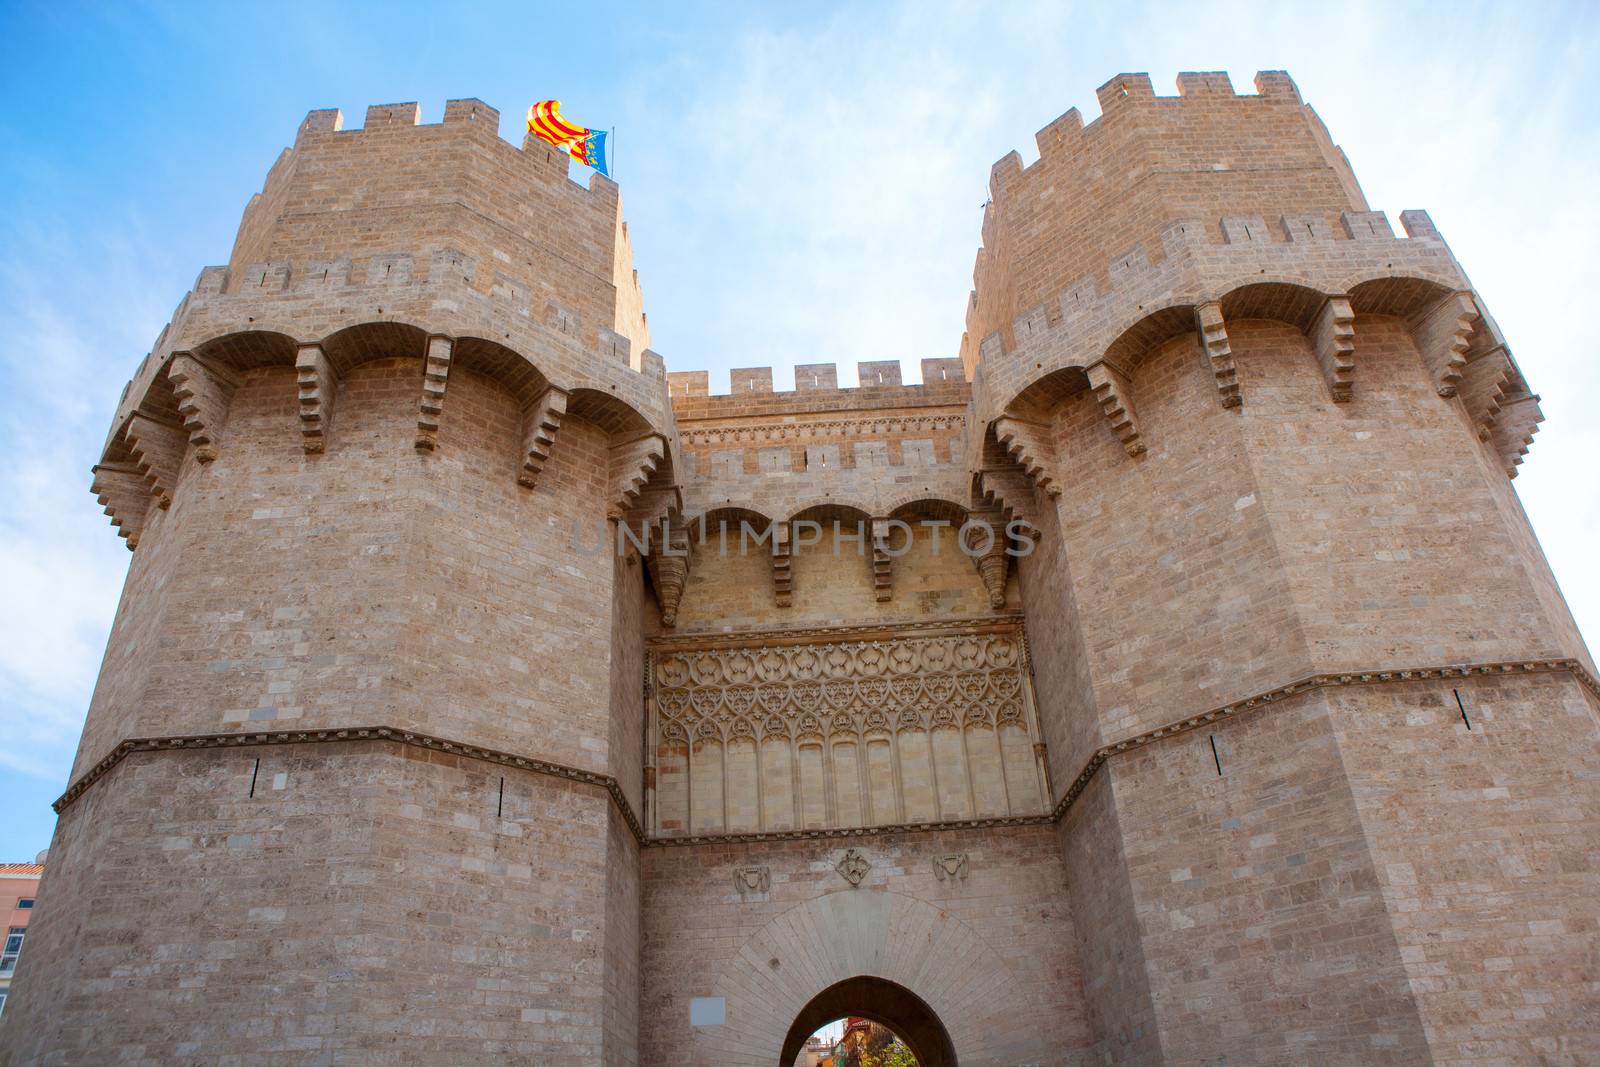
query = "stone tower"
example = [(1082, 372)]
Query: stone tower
[(1273, 741), (350, 467)]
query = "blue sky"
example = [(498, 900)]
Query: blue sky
[(803, 184)]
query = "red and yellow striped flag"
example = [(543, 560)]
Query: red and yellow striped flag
[(581, 143)]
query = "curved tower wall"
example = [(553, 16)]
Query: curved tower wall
[(1269, 447), (361, 687)]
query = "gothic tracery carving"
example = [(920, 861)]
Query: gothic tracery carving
[(848, 687)]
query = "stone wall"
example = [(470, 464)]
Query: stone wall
[(1480, 820), (972, 921), (342, 901)]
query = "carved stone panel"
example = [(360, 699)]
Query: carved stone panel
[(751, 880), (830, 731)]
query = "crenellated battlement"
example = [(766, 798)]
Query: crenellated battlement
[(1309, 254), (514, 210), (1147, 161), (1068, 133), (819, 382), (465, 117)]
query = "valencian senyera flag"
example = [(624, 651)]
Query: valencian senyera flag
[(581, 143)]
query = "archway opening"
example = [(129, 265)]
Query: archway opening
[(881, 1001)]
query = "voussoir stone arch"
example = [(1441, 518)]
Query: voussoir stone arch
[(824, 509), (870, 932), (366, 342), (513, 370), (732, 514), (1403, 295), (1040, 396), (243, 350), (1416, 277), (1152, 329), (1275, 300), (612, 414), (921, 505)]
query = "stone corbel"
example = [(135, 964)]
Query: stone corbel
[(203, 392), (1219, 352), (782, 571), (991, 560), (314, 374), (882, 562), (1008, 489), (435, 376), (1486, 383), (157, 449), (539, 425), (1513, 432), (669, 570), (1334, 335), (631, 465), (1443, 334), (1112, 389), (1029, 444), (122, 490)]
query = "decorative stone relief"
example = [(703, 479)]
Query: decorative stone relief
[(849, 687), (950, 868), (747, 880), (853, 867), (816, 734)]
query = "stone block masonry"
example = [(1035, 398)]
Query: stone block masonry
[(1272, 742)]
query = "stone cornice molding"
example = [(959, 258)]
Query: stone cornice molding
[(834, 833), (693, 435), (817, 634), (349, 735)]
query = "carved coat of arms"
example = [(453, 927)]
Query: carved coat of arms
[(752, 879), (852, 866)]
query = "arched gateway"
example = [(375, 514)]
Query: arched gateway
[(882, 955), (882, 1001)]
